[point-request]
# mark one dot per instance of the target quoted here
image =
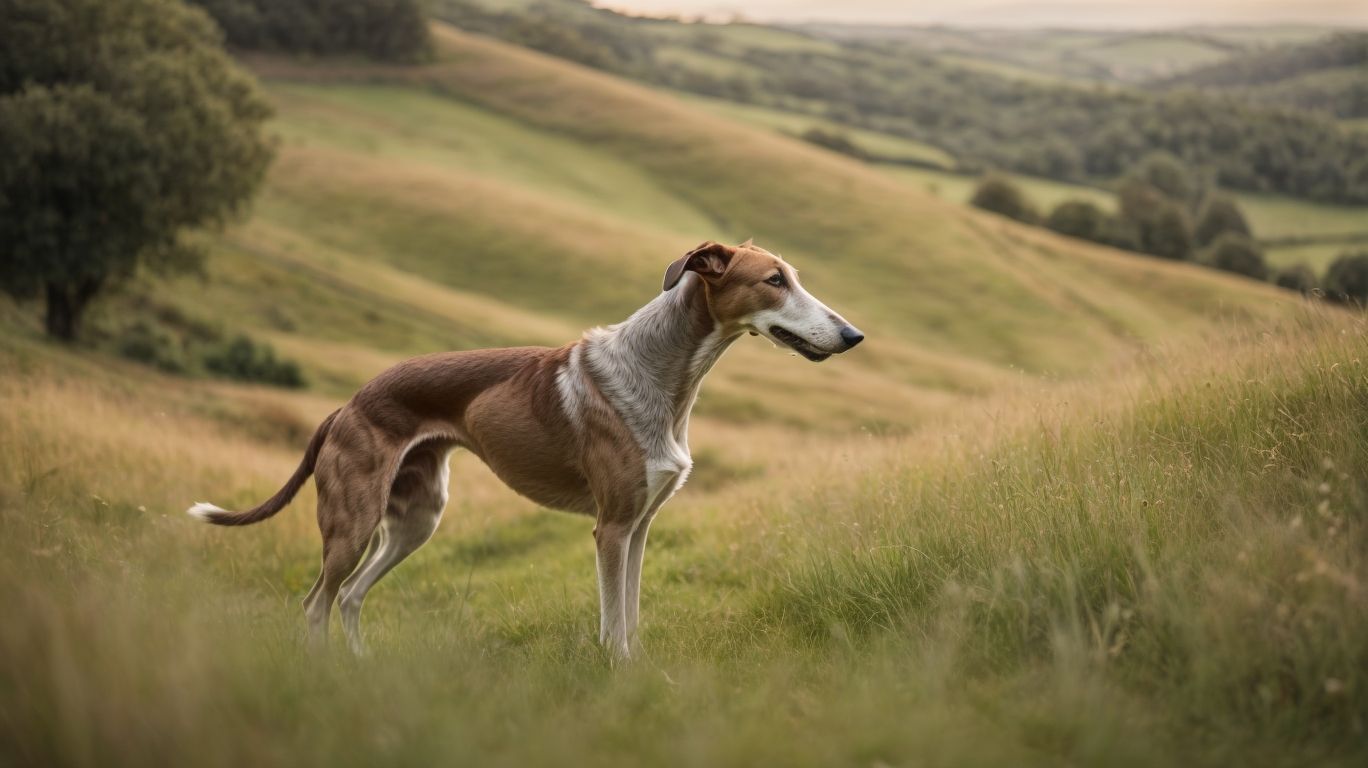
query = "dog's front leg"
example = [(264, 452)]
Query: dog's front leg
[(616, 476), (660, 485), (636, 553), (612, 539)]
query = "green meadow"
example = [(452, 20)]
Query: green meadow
[(1317, 256), (1273, 217), (1270, 216), (1065, 505)]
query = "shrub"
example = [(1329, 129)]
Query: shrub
[(1238, 254), (1347, 279), (242, 359), (1298, 277), (835, 141), (998, 194), (142, 343), (166, 340), (1079, 218), (1219, 214)]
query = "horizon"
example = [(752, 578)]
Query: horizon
[(1013, 14)]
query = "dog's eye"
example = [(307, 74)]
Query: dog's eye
[(776, 280)]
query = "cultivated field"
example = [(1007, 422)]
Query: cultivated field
[(1066, 505)]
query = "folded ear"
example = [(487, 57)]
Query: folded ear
[(709, 260)]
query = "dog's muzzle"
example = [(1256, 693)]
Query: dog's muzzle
[(850, 336)]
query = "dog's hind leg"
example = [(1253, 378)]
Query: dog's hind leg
[(415, 508), (340, 556), (309, 600), (349, 507)]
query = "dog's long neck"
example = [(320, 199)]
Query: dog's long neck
[(651, 365)]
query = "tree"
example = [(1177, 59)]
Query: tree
[(1236, 253), (1298, 277), (389, 30), (1347, 279), (1169, 234), (999, 195), (1157, 224), (124, 125), (836, 141), (1079, 218), (1220, 214), (1167, 174)]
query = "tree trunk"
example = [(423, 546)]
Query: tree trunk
[(66, 304), (60, 322)]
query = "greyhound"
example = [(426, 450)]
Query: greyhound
[(597, 427)]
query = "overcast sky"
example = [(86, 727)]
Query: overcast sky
[(1022, 13)]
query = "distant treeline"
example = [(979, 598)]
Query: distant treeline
[(1339, 92), (1346, 49), (1330, 76), (1061, 131), (1077, 133), (1166, 212), (388, 30)]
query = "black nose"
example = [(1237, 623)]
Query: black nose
[(851, 336)]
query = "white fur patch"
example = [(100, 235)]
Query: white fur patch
[(204, 510), (570, 383), (649, 368)]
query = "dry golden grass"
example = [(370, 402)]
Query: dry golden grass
[(1163, 562)]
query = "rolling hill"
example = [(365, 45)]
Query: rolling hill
[(947, 89), (529, 198), (498, 196), (1328, 75), (1062, 55)]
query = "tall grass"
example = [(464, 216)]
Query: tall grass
[(1163, 566)]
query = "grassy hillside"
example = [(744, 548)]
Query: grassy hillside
[(1163, 565), (1341, 92), (1342, 50), (1316, 255), (1328, 75), (1132, 58), (522, 199), (1293, 231), (1116, 55), (1057, 54), (885, 147), (1064, 505), (989, 98)]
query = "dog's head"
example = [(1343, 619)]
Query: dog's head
[(751, 289)]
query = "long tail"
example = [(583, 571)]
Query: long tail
[(218, 516)]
